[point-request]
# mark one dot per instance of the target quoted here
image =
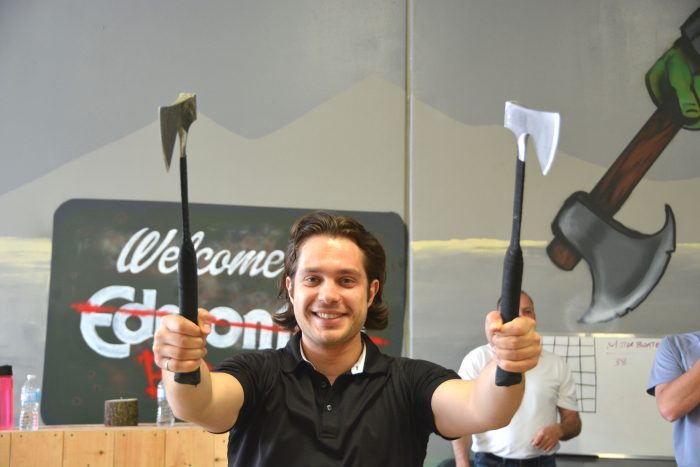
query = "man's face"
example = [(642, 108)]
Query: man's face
[(330, 291), (527, 309)]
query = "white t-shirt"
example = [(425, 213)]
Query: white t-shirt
[(547, 386)]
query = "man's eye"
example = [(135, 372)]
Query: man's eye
[(310, 280), (347, 281)]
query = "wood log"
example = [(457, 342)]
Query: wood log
[(122, 412)]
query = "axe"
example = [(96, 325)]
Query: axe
[(625, 264), (175, 120), (543, 127)]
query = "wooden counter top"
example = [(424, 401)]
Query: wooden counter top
[(97, 445)]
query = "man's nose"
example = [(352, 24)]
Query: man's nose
[(329, 292)]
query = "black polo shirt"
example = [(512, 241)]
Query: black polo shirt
[(292, 416)]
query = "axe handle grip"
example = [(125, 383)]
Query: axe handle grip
[(510, 302), (513, 272), (613, 189), (187, 273)]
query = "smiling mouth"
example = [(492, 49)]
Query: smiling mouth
[(327, 315)]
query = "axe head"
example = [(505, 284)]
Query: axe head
[(625, 264), (175, 119), (543, 127)]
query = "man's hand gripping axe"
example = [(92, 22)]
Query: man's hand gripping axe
[(175, 120), (543, 127)]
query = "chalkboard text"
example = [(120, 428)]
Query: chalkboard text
[(255, 327), (147, 247)]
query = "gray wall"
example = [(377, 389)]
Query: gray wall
[(586, 60), (365, 105)]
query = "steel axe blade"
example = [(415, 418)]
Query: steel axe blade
[(625, 264), (175, 119), (541, 126)]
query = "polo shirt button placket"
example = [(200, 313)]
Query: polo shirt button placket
[(329, 419)]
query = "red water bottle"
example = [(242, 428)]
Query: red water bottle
[(7, 405)]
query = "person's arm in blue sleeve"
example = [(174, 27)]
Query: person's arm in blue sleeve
[(680, 396)]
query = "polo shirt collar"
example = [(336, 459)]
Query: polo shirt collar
[(374, 360), (356, 368)]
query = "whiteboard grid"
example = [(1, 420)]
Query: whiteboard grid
[(579, 353)]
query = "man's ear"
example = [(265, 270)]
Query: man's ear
[(289, 284), (373, 289)]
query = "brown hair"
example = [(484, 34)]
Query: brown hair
[(331, 225)]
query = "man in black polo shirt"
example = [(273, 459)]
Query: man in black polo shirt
[(330, 397)]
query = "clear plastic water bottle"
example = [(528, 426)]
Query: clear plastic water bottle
[(164, 417), (29, 408)]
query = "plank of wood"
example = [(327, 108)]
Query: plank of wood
[(145, 448), (4, 449), (93, 448), (189, 446), (221, 449), (35, 448)]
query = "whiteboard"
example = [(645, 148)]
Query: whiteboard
[(619, 418)]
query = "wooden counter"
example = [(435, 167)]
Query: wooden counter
[(97, 446)]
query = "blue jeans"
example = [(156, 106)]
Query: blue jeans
[(485, 459)]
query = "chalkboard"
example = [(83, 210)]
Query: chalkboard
[(619, 418), (113, 276)]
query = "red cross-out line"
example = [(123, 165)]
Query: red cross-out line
[(87, 307)]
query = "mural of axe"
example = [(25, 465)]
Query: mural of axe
[(543, 127), (175, 120), (625, 264)]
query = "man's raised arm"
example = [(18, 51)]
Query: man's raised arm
[(464, 407), (180, 346)]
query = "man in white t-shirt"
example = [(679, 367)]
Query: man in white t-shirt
[(548, 412)]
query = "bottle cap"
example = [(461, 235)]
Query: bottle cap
[(5, 370)]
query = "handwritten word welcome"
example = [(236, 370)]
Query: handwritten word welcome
[(146, 247)]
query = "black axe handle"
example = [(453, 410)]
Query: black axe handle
[(187, 272), (621, 178), (513, 272)]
